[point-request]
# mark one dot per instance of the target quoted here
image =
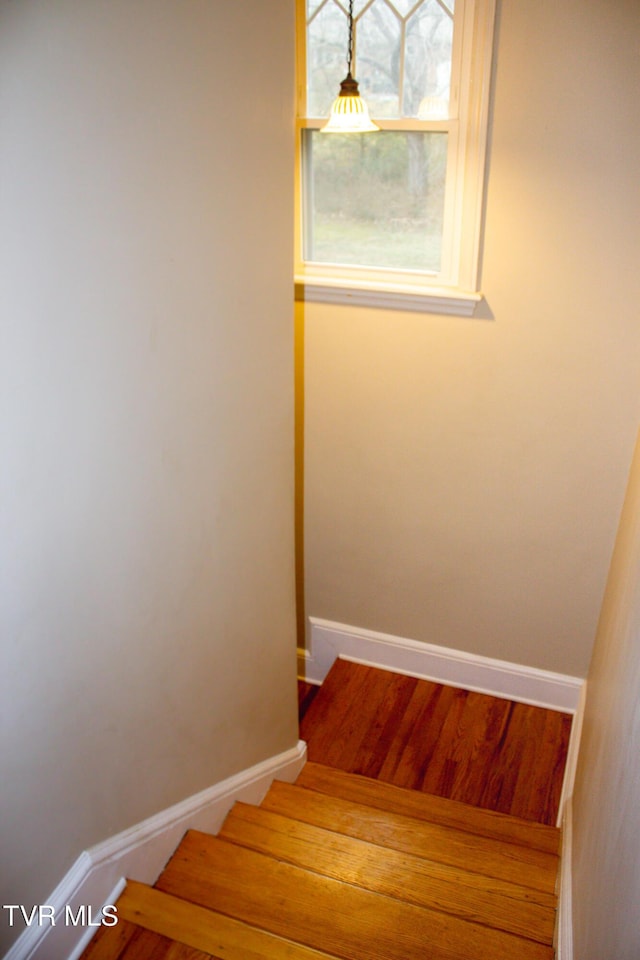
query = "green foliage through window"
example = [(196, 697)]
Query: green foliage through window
[(375, 200)]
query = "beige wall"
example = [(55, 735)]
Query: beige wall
[(606, 804), (146, 384), (464, 477)]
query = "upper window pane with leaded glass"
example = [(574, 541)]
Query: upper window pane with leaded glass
[(402, 56)]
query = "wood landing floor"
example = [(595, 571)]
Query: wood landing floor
[(481, 750)]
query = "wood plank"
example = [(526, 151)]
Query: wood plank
[(180, 951), (472, 746), (418, 735), (152, 946), (504, 861), (467, 746), (358, 718), (543, 758), (321, 912), (145, 945), (195, 927), (138, 944), (474, 897), (452, 813), (110, 942), (410, 718), (439, 774), (375, 747), (500, 779), (325, 716), (361, 721), (557, 761), (306, 695)]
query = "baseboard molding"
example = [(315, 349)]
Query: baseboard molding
[(572, 754), (441, 664), (304, 671), (564, 917), (141, 852)]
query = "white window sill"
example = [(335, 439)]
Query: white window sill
[(389, 296)]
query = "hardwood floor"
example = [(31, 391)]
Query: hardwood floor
[(345, 866), (477, 749), (306, 696)]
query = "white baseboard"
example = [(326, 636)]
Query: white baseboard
[(470, 671), (572, 754), (564, 917), (141, 853)]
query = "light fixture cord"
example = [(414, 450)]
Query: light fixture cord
[(350, 50)]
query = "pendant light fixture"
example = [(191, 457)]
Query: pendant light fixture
[(349, 113)]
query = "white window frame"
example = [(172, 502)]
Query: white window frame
[(455, 289)]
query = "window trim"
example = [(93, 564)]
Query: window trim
[(458, 293)]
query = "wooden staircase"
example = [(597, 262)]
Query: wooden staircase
[(339, 865)]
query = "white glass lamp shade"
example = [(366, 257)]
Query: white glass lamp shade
[(349, 113)]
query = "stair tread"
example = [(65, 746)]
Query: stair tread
[(405, 876), (209, 933), (110, 943), (424, 806), (133, 942), (494, 858), (147, 945), (326, 914)]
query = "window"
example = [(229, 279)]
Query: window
[(393, 218)]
